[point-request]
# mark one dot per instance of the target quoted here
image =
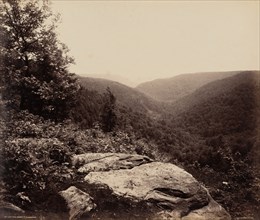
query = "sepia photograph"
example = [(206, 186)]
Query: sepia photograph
[(130, 109)]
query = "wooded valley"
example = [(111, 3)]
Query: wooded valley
[(205, 123)]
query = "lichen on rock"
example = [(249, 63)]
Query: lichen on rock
[(161, 186), (90, 162)]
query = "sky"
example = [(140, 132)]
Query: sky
[(145, 40)]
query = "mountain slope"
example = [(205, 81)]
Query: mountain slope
[(217, 88), (125, 95), (228, 108), (179, 86)]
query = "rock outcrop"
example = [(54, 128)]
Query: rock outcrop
[(10, 207), (167, 191), (79, 202), (90, 162), (212, 211)]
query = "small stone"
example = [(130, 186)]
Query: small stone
[(79, 202)]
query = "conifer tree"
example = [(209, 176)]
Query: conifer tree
[(108, 116)]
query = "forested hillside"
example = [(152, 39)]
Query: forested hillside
[(223, 114), (125, 95), (177, 87), (214, 89)]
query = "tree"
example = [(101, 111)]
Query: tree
[(33, 62), (108, 116)]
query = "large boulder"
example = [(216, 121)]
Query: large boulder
[(90, 162), (160, 186)]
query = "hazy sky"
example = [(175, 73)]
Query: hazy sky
[(144, 40)]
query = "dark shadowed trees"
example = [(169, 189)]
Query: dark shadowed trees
[(108, 116), (34, 74)]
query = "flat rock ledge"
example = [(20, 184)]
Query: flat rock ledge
[(137, 184), (90, 162)]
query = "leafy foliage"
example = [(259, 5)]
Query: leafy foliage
[(36, 155), (33, 61), (88, 108)]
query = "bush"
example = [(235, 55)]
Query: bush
[(30, 162)]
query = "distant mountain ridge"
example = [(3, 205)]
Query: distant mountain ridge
[(172, 95), (174, 88), (113, 77), (214, 89)]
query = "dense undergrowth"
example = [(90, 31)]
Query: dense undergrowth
[(36, 156), (36, 161)]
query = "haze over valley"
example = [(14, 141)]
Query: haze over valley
[(148, 40)]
